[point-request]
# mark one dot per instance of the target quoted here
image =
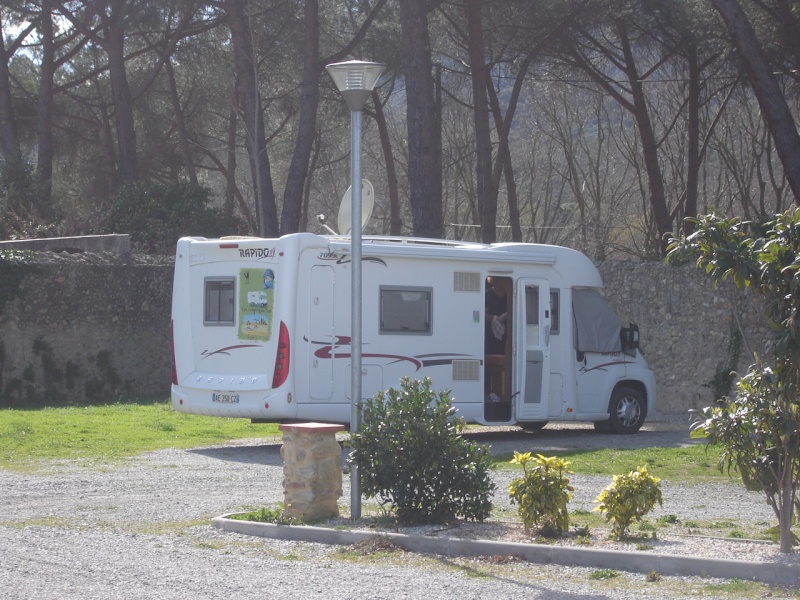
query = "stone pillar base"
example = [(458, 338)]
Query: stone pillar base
[(312, 470)]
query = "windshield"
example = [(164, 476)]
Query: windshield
[(597, 326)]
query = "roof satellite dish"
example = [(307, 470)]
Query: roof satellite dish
[(345, 221)]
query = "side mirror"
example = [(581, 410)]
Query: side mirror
[(629, 336)]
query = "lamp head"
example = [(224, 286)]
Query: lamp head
[(355, 80)]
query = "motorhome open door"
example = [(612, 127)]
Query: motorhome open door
[(532, 349)]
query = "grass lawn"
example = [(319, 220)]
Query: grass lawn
[(29, 438), (111, 431), (692, 464), (135, 425)]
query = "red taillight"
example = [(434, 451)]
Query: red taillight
[(172, 346), (282, 358)]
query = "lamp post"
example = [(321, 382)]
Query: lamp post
[(355, 80)]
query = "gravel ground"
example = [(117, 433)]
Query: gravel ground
[(140, 529)]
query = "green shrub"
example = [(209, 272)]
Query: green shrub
[(629, 498), (156, 215), (542, 493), (25, 211), (413, 459)]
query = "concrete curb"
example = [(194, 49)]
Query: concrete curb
[(637, 562)]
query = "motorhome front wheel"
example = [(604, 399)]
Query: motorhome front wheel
[(628, 410)]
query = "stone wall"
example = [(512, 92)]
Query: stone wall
[(686, 328), (83, 327), (77, 328)]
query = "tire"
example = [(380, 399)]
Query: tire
[(533, 425), (628, 410)]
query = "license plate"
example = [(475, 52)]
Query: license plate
[(225, 397)]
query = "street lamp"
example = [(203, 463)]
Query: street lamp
[(355, 80)]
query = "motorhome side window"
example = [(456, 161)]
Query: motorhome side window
[(532, 308), (218, 305), (405, 310)]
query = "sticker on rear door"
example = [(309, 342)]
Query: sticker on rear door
[(256, 303)]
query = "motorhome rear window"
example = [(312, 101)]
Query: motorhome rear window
[(218, 305), (406, 310)]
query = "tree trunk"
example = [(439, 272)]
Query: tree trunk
[(786, 518), (230, 164), (312, 167), (693, 142), (233, 194), (9, 141), (295, 194), (424, 145), (180, 124), (503, 162), (307, 124), (253, 118), (44, 116), (513, 201), (773, 105), (655, 181), (109, 157), (395, 221), (487, 198), (127, 160)]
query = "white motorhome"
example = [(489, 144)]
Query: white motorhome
[(261, 330)]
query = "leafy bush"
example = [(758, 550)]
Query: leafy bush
[(22, 213), (752, 428), (759, 430), (629, 498), (763, 256), (413, 459), (156, 215), (542, 493)]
